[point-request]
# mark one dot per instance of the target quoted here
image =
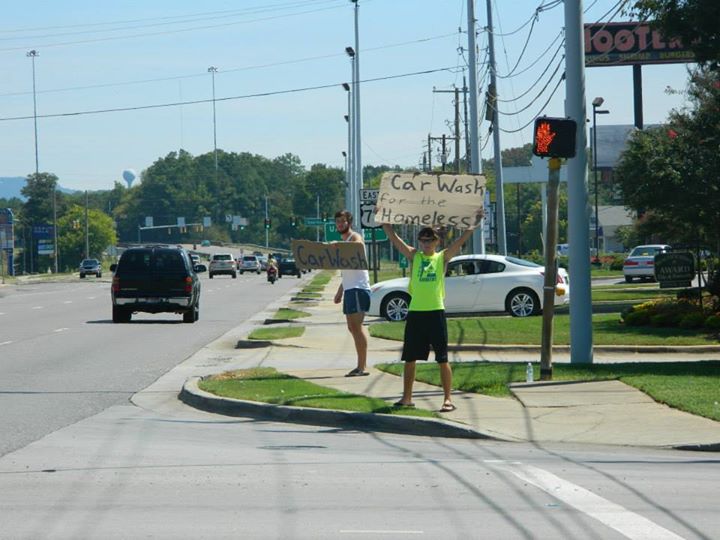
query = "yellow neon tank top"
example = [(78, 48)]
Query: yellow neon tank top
[(427, 282)]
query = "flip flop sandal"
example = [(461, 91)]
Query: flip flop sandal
[(357, 373), (401, 404), (448, 407)]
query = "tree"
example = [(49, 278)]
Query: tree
[(38, 191), (671, 171), (695, 22), (71, 235)]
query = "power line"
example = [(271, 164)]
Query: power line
[(231, 98), (541, 108), (232, 70), (540, 57)]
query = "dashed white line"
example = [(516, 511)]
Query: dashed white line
[(379, 531), (626, 522), (5, 343), (38, 307), (60, 329), (67, 302)]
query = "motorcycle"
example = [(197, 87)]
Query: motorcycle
[(271, 274)]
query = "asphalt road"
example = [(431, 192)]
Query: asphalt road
[(62, 359)]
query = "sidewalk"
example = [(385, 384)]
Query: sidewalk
[(606, 412)]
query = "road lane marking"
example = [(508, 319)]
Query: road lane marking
[(5, 343), (378, 531), (38, 307), (626, 522), (60, 329), (67, 302)]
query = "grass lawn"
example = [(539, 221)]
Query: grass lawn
[(321, 279), (607, 330), (693, 387), (270, 386), (602, 294), (277, 332), (289, 314)]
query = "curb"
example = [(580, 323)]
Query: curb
[(192, 395)]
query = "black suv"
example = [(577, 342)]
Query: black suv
[(155, 279), (287, 267)]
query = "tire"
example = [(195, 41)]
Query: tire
[(628, 279), (258, 272), (522, 303), (121, 315), (192, 315), (82, 276), (242, 272), (395, 306), (234, 275), (299, 274), (211, 276), (99, 275)]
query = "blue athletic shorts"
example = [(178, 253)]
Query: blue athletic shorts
[(356, 301)]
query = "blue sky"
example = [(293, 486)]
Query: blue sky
[(97, 55)]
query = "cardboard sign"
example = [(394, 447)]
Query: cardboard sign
[(329, 255), (430, 199)]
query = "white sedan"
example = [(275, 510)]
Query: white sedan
[(477, 283)]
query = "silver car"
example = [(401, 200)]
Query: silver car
[(641, 262), (90, 266)]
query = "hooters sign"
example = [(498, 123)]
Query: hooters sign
[(619, 44)]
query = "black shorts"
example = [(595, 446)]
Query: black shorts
[(425, 329)]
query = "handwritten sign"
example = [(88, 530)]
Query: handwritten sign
[(329, 255), (430, 199)]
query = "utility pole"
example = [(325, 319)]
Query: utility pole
[(358, 146), (474, 141), (581, 341), (492, 109), (213, 71), (87, 228), (456, 92), (467, 127), (267, 231)]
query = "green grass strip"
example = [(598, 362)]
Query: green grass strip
[(270, 386), (322, 279), (290, 314), (607, 330), (281, 332), (692, 387)]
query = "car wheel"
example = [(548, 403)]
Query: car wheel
[(522, 303), (258, 272), (395, 306), (120, 315), (628, 279), (242, 272), (234, 275), (192, 315), (211, 276), (82, 276), (99, 274)]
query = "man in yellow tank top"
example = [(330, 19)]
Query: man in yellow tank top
[(426, 325)]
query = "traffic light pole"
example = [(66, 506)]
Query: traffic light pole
[(551, 236)]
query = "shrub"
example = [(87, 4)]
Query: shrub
[(692, 320), (637, 318), (665, 319), (713, 322)]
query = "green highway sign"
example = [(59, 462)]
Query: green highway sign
[(316, 221), (331, 234)]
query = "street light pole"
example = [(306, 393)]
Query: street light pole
[(267, 237), (34, 54), (356, 120), (349, 188), (597, 102), (213, 70)]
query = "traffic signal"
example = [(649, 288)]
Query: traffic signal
[(325, 217), (554, 137), (293, 221), (268, 223)]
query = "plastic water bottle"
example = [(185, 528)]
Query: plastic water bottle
[(529, 373)]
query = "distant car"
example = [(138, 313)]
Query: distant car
[(249, 263), (155, 279), (477, 283), (205, 243), (222, 264), (641, 262), (90, 266), (287, 267), (263, 262)]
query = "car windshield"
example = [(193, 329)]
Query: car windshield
[(645, 251), (89, 262), (522, 262)]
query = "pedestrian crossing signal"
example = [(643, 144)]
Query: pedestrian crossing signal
[(268, 223), (554, 137), (325, 217)]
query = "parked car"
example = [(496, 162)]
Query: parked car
[(155, 279), (90, 266), (287, 267), (222, 263), (641, 262), (249, 263), (475, 284)]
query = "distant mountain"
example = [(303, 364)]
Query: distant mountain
[(10, 187)]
